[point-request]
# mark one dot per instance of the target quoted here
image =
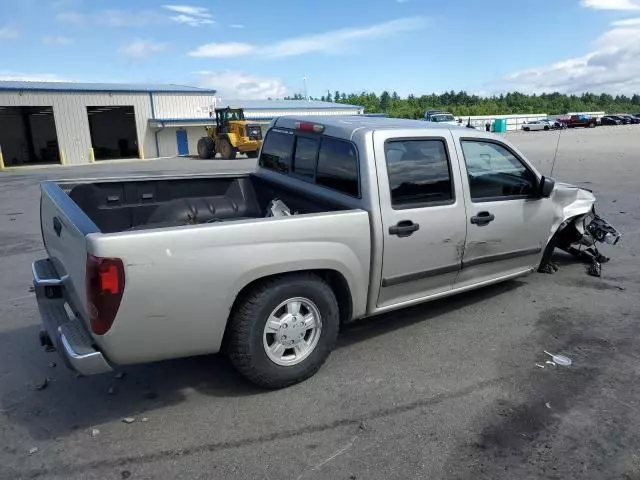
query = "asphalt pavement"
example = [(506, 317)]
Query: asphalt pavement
[(446, 390)]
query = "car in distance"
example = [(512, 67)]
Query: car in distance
[(443, 118), (611, 120), (534, 125), (586, 121), (629, 119), (343, 218)]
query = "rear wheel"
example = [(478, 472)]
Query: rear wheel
[(284, 330), (226, 150), (206, 148), (526, 129)]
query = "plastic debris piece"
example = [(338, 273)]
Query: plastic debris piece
[(42, 385), (95, 432), (561, 360), (548, 405), (549, 362), (33, 450), (144, 419), (539, 366), (128, 419)]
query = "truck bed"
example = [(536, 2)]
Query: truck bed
[(117, 206)]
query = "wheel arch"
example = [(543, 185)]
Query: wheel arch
[(335, 279)]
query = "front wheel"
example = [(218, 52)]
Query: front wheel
[(227, 152), (284, 330)]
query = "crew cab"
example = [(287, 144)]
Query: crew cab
[(343, 218)]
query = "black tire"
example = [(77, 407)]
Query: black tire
[(526, 129), (253, 154), (225, 149), (206, 148), (546, 128), (245, 331)]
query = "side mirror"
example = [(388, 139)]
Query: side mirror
[(546, 187)]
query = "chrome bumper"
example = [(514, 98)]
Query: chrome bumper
[(66, 332)]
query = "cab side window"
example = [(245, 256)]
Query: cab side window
[(495, 173), (419, 173)]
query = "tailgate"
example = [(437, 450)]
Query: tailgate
[(64, 229)]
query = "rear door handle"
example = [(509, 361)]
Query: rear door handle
[(404, 228), (483, 218)]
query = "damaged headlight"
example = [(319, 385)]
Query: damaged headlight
[(601, 231)]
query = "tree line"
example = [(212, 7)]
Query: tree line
[(463, 104)]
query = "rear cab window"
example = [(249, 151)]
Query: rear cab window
[(323, 160)]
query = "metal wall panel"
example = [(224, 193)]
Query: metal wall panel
[(180, 105), (72, 120), (168, 144)]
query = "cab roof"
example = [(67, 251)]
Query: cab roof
[(345, 126)]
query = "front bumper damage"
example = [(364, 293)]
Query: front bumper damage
[(579, 231)]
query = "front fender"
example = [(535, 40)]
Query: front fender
[(569, 201)]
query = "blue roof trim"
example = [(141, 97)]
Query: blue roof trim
[(70, 87)]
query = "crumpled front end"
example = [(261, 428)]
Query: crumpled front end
[(577, 229)]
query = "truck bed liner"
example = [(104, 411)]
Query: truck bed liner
[(116, 206)]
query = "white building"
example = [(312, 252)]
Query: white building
[(78, 123)]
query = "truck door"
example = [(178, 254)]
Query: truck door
[(423, 214), (509, 224)]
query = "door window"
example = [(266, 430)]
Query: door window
[(495, 173), (419, 173)]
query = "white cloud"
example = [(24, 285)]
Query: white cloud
[(6, 75), (336, 41), (231, 49), (7, 33), (190, 15), (611, 4), (237, 85), (56, 40), (140, 49), (236, 25), (612, 66)]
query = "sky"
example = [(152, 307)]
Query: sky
[(258, 49)]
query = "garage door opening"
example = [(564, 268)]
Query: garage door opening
[(113, 132), (28, 136)]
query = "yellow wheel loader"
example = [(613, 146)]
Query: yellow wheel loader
[(230, 135)]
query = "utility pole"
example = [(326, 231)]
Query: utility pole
[(306, 96)]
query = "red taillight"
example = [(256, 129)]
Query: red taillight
[(310, 127), (105, 286)]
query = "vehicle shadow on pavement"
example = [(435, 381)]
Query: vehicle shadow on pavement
[(365, 329), (69, 403), (52, 401)]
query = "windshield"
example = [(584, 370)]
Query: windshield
[(442, 118)]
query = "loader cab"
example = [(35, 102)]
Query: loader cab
[(226, 115)]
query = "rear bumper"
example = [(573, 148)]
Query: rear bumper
[(66, 332)]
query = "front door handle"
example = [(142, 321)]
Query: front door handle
[(483, 218), (404, 228)]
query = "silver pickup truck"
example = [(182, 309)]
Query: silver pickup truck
[(344, 218)]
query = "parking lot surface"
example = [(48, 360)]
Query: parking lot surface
[(446, 390)]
